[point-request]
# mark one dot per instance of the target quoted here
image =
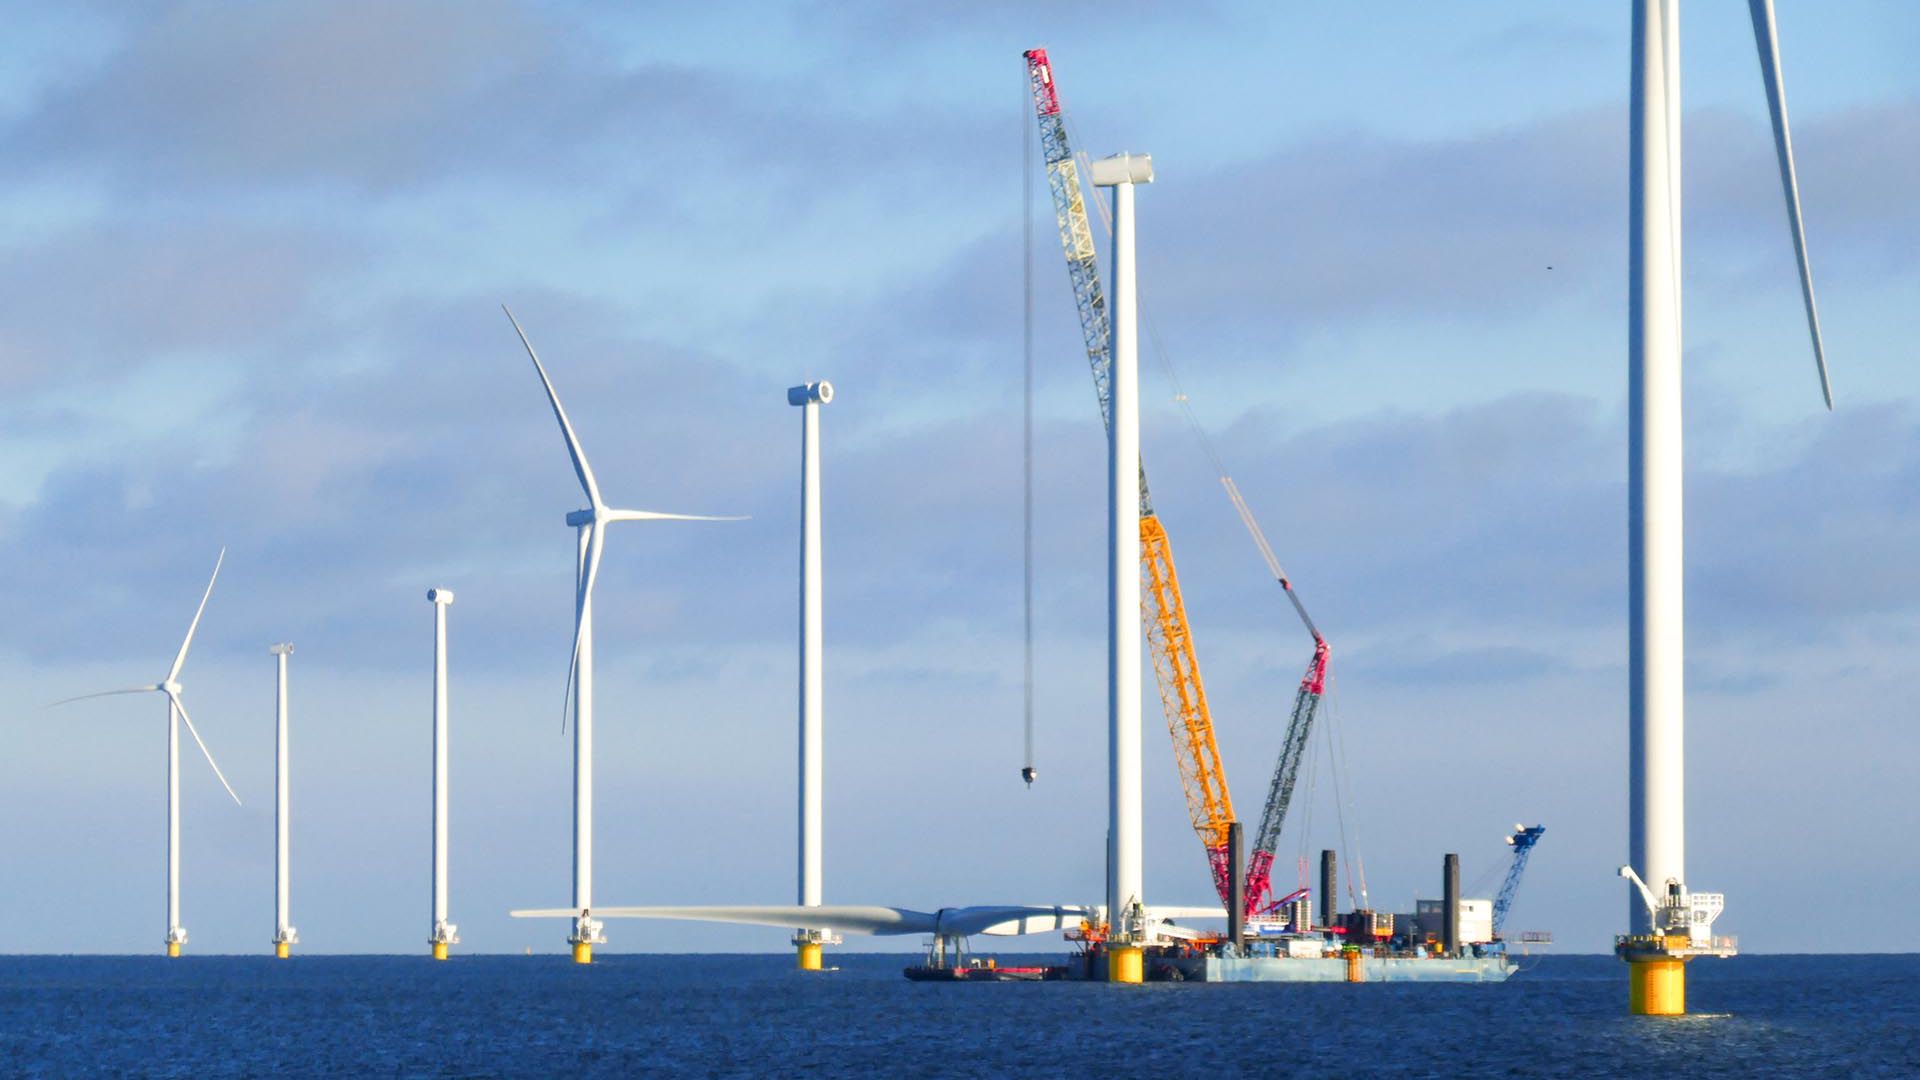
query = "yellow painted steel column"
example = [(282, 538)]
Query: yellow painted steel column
[(439, 950), (1355, 972), (173, 949), (583, 952), (809, 956), (1657, 987), (281, 950), (1125, 964)]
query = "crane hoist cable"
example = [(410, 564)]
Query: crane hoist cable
[(1342, 795)]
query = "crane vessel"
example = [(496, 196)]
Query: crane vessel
[(1285, 944)]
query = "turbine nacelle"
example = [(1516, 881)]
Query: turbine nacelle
[(1123, 168), (811, 393)]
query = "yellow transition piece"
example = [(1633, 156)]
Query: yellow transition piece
[(1124, 964), (1657, 987)]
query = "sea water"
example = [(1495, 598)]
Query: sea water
[(483, 1016)]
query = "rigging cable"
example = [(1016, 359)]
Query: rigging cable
[(1337, 753)]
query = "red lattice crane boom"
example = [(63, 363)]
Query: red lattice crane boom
[(1306, 706)]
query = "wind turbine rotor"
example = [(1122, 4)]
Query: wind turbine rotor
[(595, 518)]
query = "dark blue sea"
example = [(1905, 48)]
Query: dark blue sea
[(484, 1016)]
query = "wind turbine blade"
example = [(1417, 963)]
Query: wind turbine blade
[(850, 918), (596, 541), (105, 693), (1766, 38), (1012, 921), (580, 466), (178, 704), (573, 666), (180, 659), (1006, 921), (652, 515)]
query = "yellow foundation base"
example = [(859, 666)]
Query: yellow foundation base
[(1355, 972), (809, 956), (173, 949), (1124, 964), (582, 952), (439, 950), (282, 950), (1657, 987)]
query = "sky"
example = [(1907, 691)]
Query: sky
[(252, 259)]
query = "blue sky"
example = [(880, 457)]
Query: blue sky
[(252, 276)]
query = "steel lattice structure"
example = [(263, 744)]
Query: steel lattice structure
[(1522, 842), (1306, 704)]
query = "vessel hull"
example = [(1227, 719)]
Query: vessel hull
[(1466, 969)]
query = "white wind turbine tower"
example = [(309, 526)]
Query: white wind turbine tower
[(444, 933), (284, 935), (1127, 913), (176, 714), (1670, 924), (809, 398), (591, 525)]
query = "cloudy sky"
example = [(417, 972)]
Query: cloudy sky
[(249, 296)]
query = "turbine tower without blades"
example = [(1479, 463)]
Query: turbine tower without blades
[(176, 715), (284, 935), (1669, 924), (808, 940), (443, 933), (590, 525), (1127, 929)]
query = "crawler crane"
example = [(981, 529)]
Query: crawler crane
[(1176, 668)]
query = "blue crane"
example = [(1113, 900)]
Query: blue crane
[(1522, 842)]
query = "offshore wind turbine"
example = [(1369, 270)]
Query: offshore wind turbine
[(1669, 923), (591, 527), (284, 935), (176, 715)]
